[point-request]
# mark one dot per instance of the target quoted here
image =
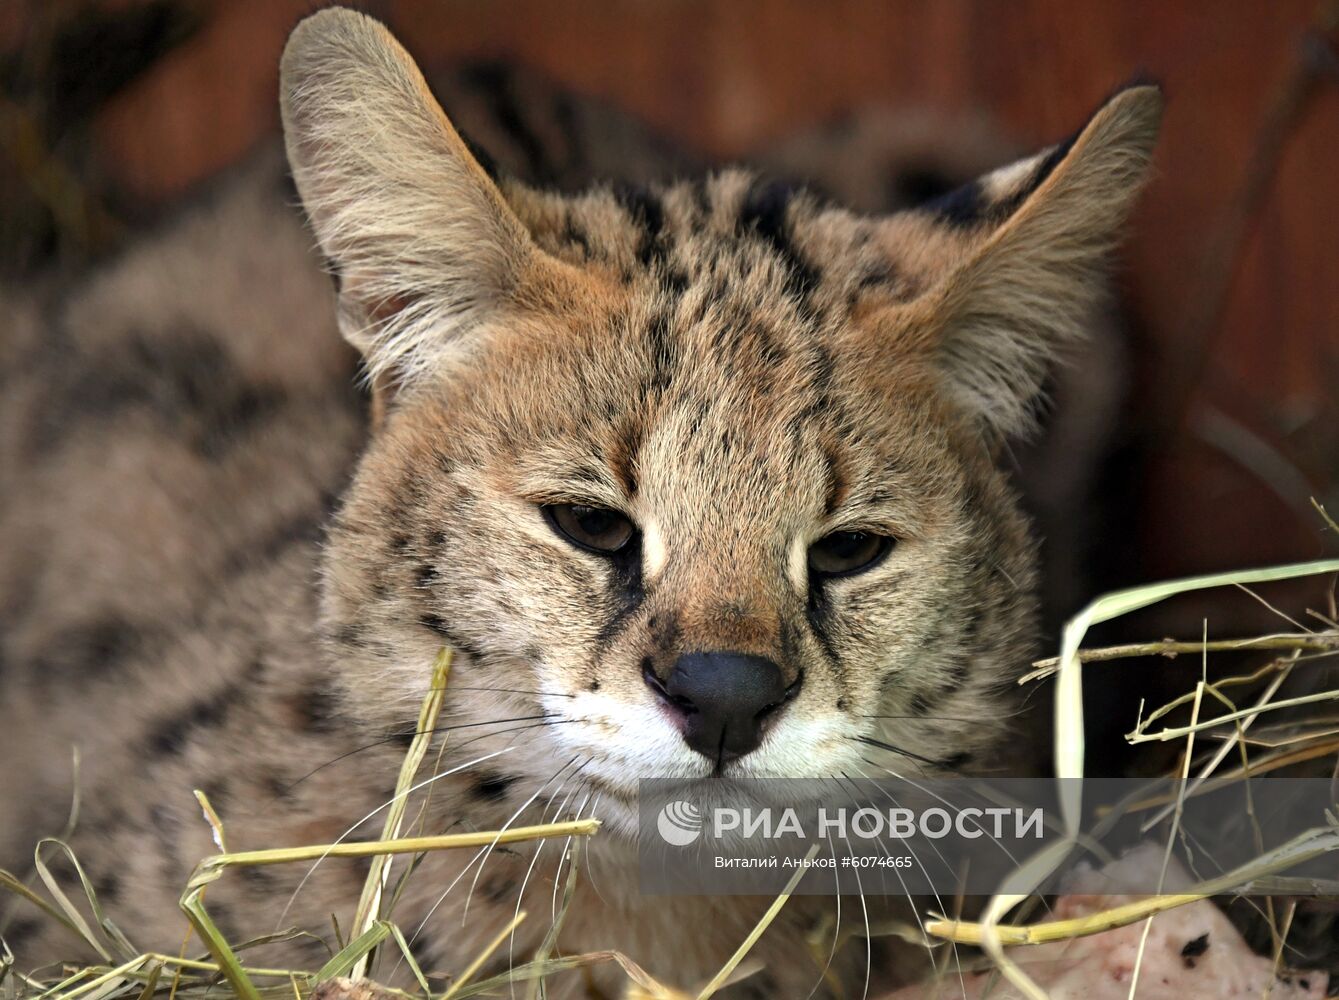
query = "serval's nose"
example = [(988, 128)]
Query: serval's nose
[(724, 701)]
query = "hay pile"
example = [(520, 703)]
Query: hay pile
[(1244, 740)]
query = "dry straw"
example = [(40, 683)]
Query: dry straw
[(125, 972)]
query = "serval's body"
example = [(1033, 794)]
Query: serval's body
[(224, 568)]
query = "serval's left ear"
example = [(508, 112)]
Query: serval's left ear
[(1034, 238)]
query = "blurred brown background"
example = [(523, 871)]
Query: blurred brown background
[(1231, 279)]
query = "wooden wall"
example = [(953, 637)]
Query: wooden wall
[(1226, 486)]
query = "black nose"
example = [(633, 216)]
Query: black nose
[(725, 700)]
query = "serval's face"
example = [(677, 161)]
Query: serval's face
[(697, 480)]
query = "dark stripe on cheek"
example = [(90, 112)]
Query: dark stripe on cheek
[(923, 703), (437, 624), (819, 614), (625, 595)]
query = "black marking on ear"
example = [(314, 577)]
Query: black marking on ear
[(481, 155), (648, 214), (917, 184), (968, 206), (961, 207), (492, 787), (1009, 205), (495, 82)]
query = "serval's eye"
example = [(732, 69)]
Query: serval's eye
[(591, 528), (845, 553)]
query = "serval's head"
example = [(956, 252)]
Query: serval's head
[(696, 479)]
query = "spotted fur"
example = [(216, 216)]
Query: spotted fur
[(739, 365)]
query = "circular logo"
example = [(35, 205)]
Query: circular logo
[(679, 823)]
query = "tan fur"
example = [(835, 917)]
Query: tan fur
[(739, 370)]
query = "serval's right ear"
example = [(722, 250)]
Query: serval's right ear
[(425, 246)]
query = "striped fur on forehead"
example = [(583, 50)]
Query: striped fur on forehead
[(821, 257), (988, 283)]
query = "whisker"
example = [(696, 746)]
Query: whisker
[(550, 721), (914, 911), (543, 694), (407, 734), (881, 745), (585, 844), (836, 924), (384, 805), (864, 910), (481, 853), (517, 813), (939, 718), (558, 872), (534, 859)]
